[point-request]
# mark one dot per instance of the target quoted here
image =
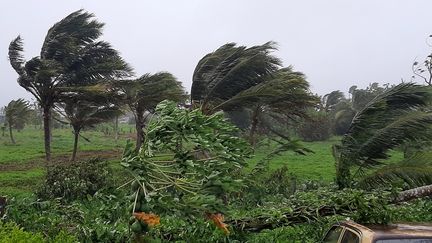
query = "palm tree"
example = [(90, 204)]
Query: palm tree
[(87, 110), (332, 99), (389, 120), (281, 97), (231, 69), (71, 55), (235, 78), (143, 94), (16, 114)]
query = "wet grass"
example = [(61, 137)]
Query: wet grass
[(22, 165)]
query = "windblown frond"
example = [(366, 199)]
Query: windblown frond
[(76, 29), (391, 119), (412, 172), (230, 70), (150, 89), (16, 57)]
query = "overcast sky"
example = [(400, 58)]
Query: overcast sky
[(336, 43)]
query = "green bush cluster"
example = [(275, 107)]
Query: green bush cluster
[(75, 180), (98, 218), (11, 232)]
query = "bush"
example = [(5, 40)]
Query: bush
[(75, 180), (100, 218), (10, 232)]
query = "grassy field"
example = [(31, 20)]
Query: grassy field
[(22, 165)]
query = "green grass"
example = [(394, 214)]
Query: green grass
[(29, 143), (313, 166), (21, 165), (20, 182)]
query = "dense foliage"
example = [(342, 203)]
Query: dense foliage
[(75, 180), (189, 163)]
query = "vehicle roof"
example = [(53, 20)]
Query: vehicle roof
[(393, 230)]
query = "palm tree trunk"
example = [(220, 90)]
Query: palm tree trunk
[(116, 122), (254, 125), (139, 124), (47, 131), (414, 193), (11, 135), (75, 146)]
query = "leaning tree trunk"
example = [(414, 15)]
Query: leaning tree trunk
[(75, 146), (254, 126), (419, 192), (11, 135), (139, 124), (47, 131)]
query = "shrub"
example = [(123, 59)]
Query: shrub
[(98, 218), (75, 180), (10, 232)]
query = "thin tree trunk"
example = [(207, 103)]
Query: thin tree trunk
[(139, 124), (254, 125), (47, 132), (116, 133), (11, 135), (75, 146)]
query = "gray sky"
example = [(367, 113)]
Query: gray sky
[(336, 43)]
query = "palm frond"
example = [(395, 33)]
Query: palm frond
[(16, 57), (386, 122), (150, 89), (412, 172), (76, 29), (283, 90), (231, 69), (391, 119)]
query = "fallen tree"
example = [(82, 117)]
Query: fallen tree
[(357, 205)]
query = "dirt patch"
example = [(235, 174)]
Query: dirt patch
[(61, 158)]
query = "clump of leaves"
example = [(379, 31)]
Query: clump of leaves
[(11, 232), (188, 164), (98, 218), (75, 180)]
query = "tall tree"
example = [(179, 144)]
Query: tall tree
[(238, 78), (87, 110), (332, 99), (16, 114), (389, 120), (423, 70), (71, 55), (143, 94)]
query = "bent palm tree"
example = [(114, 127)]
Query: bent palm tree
[(88, 109), (143, 94), (16, 114), (281, 97), (389, 120), (331, 99), (71, 55), (231, 69), (234, 78)]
